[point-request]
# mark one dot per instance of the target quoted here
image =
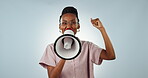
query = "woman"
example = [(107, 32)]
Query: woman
[(82, 65)]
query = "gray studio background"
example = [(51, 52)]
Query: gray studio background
[(28, 26)]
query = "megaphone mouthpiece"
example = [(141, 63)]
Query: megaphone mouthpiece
[(69, 32), (67, 43)]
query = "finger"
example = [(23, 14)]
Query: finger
[(92, 21), (97, 18)]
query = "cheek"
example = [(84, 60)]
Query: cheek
[(62, 27), (74, 27)]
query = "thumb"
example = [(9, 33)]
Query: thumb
[(91, 20)]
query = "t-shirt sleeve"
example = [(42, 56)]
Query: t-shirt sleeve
[(95, 52), (48, 57)]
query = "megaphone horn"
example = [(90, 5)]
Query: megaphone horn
[(67, 46)]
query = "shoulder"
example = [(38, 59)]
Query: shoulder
[(83, 42), (50, 46), (89, 44)]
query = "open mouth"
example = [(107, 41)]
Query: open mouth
[(69, 29)]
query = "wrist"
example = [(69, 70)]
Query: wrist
[(101, 29), (63, 60)]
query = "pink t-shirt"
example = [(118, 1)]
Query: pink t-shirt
[(80, 67)]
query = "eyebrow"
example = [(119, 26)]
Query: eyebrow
[(70, 20)]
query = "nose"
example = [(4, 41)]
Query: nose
[(68, 25)]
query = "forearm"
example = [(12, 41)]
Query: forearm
[(108, 45), (55, 73), (109, 52)]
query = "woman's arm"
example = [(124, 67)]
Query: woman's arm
[(109, 53), (54, 72)]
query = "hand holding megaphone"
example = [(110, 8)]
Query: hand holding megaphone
[(67, 46)]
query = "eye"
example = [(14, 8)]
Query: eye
[(64, 23), (73, 23)]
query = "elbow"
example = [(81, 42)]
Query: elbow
[(110, 54), (110, 58), (113, 57)]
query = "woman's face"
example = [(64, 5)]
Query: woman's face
[(69, 21)]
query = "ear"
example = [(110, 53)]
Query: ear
[(78, 26), (60, 26)]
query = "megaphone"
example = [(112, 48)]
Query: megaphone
[(67, 46)]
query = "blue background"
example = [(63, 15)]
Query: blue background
[(28, 26)]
